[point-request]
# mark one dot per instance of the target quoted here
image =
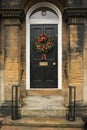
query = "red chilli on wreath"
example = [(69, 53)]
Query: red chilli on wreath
[(43, 45)]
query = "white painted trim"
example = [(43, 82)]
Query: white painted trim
[(47, 21)]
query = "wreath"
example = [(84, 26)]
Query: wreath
[(43, 44)]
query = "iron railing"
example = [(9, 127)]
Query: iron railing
[(15, 99)]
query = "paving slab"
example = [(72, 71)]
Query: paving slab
[(44, 122), (34, 128)]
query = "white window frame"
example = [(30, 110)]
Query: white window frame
[(44, 21)]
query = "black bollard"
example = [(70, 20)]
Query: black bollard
[(15, 111), (15, 88), (85, 125), (84, 118), (72, 100)]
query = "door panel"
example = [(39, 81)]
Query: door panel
[(42, 76)]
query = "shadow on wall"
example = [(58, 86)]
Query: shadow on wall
[(81, 36), (10, 3), (76, 3)]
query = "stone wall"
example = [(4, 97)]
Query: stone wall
[(1, 63), (85, 64), (65, 54), (23, 59), (10, 57), (76, 59)]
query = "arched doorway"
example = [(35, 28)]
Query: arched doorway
[(44, 16)]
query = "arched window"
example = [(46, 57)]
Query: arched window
[(43, 13)]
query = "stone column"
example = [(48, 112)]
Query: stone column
[(78, 43), (10, 50), (12, 55), (1, 63), (85, 65)]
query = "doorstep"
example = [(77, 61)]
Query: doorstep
[(44, 122)]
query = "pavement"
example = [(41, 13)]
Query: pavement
[(26, 123)]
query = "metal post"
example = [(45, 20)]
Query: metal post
[(12, 103), (72, 100), (15, 114), (15, 101)]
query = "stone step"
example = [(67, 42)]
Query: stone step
[(35, 128), (41, 124), (43, 102), (80, 109), (43, 106), (61, 112), (6, 108)]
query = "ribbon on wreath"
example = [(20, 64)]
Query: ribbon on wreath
[(44, 57)]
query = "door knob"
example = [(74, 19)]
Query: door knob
[(54, 63)]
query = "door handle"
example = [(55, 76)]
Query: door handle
[(54, 63)]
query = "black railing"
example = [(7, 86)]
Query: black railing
[(15, 113), (15, 99), (66, 76), (72, 100), (84, 118)]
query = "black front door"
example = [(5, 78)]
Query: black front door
[(43, 72)]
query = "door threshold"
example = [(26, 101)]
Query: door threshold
[(44, 89), (44, 92)]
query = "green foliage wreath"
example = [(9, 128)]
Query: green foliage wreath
[(43, 44)]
